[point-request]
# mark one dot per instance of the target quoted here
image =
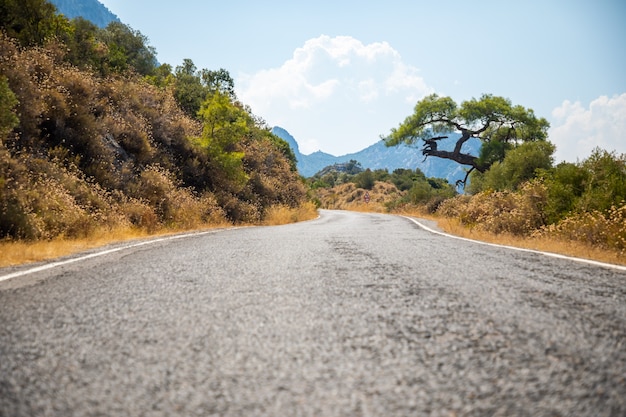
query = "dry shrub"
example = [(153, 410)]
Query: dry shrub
[(93, 154), (176, 207), (272, 181), (18, 66), (517, 213), (212, 212), (157, 202), (41, 208), (140, 215), (184, 210), (237, 210), (281, 214), (349, 197), (604, 230)]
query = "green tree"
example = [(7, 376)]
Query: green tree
[(32, 22), (429, 192), (128, 48), (162, 76), (188, 89), (605, 185), (404, 178), (84, 50), (565, 185), (218, 81), (493, 120), (519, 165), (365, 179), (225, 124)]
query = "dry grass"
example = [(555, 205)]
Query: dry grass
[(349, 197), (280, 214), (18, 252), (542, 243)]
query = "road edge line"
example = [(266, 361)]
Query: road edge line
[(550, 254), (55, 264)]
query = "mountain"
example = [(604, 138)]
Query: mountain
[(91, 10), (379, 156)]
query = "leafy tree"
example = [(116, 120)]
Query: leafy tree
[(520, 164), (128, 48), (493, 120), (162, 76), (404, 178), (192, 87), (188, 88), (218, 81), (565, 185), (365, 179), (224, 126), (430, 192), (32, 22), (83, 47), (605, 185)]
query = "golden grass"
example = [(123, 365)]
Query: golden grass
[(278, 215), (21, 252), (18, 252), (563, 247)]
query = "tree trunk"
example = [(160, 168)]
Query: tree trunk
[(430, 149), (461, 158)]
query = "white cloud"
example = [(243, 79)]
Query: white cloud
[(335, 93), (577, 130)]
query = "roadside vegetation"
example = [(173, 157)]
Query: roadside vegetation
[(98, 140), (524, 200)]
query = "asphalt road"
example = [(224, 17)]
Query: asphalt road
[(348, 315)]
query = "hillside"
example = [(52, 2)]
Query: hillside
[(95, 137), (91, 10), (379, 156)]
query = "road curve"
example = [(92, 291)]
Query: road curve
[(348, 315)]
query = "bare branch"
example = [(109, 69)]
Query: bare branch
[(463, 182)]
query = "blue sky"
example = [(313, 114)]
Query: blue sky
[(338, 74)]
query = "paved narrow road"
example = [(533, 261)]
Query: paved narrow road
[(348, 315)]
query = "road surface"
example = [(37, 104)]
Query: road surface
[(348, 315)]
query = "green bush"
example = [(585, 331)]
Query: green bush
[(519, 165)]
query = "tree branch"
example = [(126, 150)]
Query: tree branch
[(464, 180), (461, 158)]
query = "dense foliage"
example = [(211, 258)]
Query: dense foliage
[(494, 120), (514, 186), (94, 134)]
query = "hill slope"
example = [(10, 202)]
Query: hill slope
[(91, 10), (379, 156)]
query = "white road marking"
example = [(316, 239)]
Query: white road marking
[(163, 239), (101, 253), (553, 255)]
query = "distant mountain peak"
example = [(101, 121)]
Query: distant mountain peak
[(379, 156)]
